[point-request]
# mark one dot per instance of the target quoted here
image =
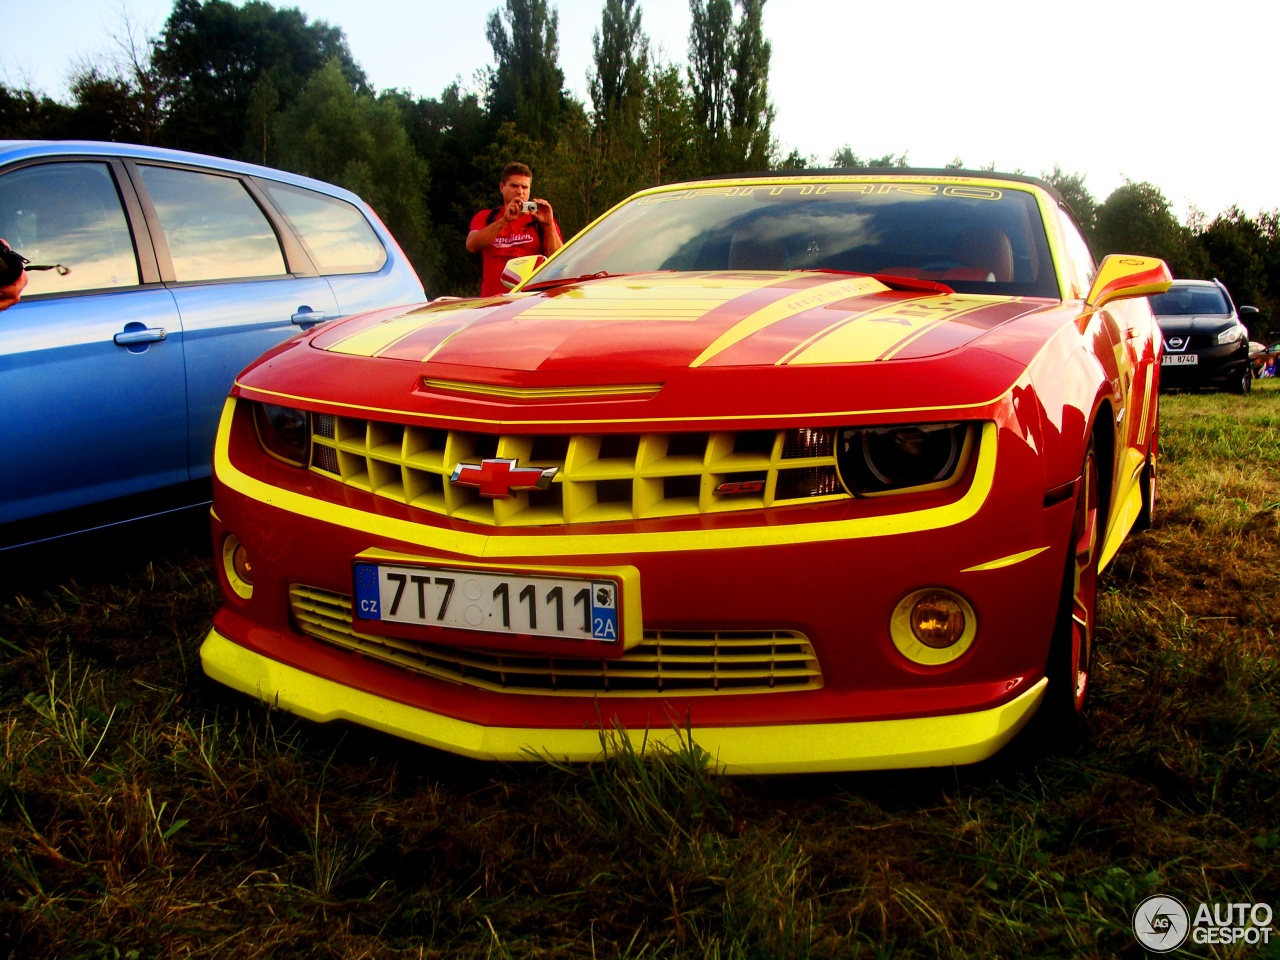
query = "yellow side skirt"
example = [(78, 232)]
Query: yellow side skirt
[(779, 748)]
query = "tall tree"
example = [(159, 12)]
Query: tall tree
[(614, 158), (1235, 248), (670, 125), (750, 113), (1136, 218), (452, 132), (621, 53), (711, 57), (729, 81), (527, 84), (213, 53)]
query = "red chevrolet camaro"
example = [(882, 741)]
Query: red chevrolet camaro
[(817, 469)]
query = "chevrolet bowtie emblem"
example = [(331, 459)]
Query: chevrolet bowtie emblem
[(498, 478)]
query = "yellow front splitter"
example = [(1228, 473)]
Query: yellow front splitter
[(780, 748)]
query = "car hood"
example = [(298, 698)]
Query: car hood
[(688, 348), (639, 327), (1184, 325)]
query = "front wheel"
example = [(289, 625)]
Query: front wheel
[(1244, 383), (1070, 663)]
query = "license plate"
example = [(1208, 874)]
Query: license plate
[(1179, 359), (488, 601)]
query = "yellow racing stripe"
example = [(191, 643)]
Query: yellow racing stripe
[(796, 303), (880, 333), (372, 340)]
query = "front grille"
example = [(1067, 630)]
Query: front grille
[(664, 663), (598, 478)]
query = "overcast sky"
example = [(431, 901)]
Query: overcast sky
[(1179, 94)]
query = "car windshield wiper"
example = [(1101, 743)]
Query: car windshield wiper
[(562, 281)]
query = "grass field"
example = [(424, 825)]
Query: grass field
[(147, 813)]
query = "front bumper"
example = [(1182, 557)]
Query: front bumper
[(1217, 367), (750, 749), (835, 581)]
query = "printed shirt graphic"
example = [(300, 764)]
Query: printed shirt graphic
[(519, 238)]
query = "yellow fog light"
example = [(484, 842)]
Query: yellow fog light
[(236, 565), (933, 626)]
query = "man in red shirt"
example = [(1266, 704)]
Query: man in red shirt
[(507, 232)]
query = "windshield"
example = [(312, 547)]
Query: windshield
[(1190, 301), (974, 239)]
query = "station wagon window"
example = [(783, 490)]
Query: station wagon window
[(335, 233), (68, 216), (214, 228)]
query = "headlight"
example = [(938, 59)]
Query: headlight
[(1232, 334), (881, 459), (284, 432)]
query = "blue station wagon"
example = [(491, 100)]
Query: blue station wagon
[(155, 277)]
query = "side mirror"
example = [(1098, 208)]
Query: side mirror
[(1243, 312), (520, 269), (1122, 276)]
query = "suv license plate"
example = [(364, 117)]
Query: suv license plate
[(1179, 359), (488, 601)]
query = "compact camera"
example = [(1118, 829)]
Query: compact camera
[(529, 206), (11, 264)]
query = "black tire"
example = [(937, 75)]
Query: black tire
[(1244, 383), (1070, 664)]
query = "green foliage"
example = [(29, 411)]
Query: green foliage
[(621, 57), (729, 85), (1076, 195), (846, 159), (336, 133), (107, 108), (212, 53), (1136, 218), (527, 85), (25, 116), (710, 63), (750, 112), (1237, 248)]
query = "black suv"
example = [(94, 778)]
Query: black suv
[(1205, 342)]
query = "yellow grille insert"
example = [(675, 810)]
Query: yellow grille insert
[(664, 663), (599, 478)]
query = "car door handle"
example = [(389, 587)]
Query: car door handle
[(128, 338), (306, 316)]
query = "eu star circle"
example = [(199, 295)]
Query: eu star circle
[(1161, 924)]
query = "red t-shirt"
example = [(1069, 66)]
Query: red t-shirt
[(519, 238)]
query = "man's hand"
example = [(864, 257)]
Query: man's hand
[(551, 239), (10, 292)]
